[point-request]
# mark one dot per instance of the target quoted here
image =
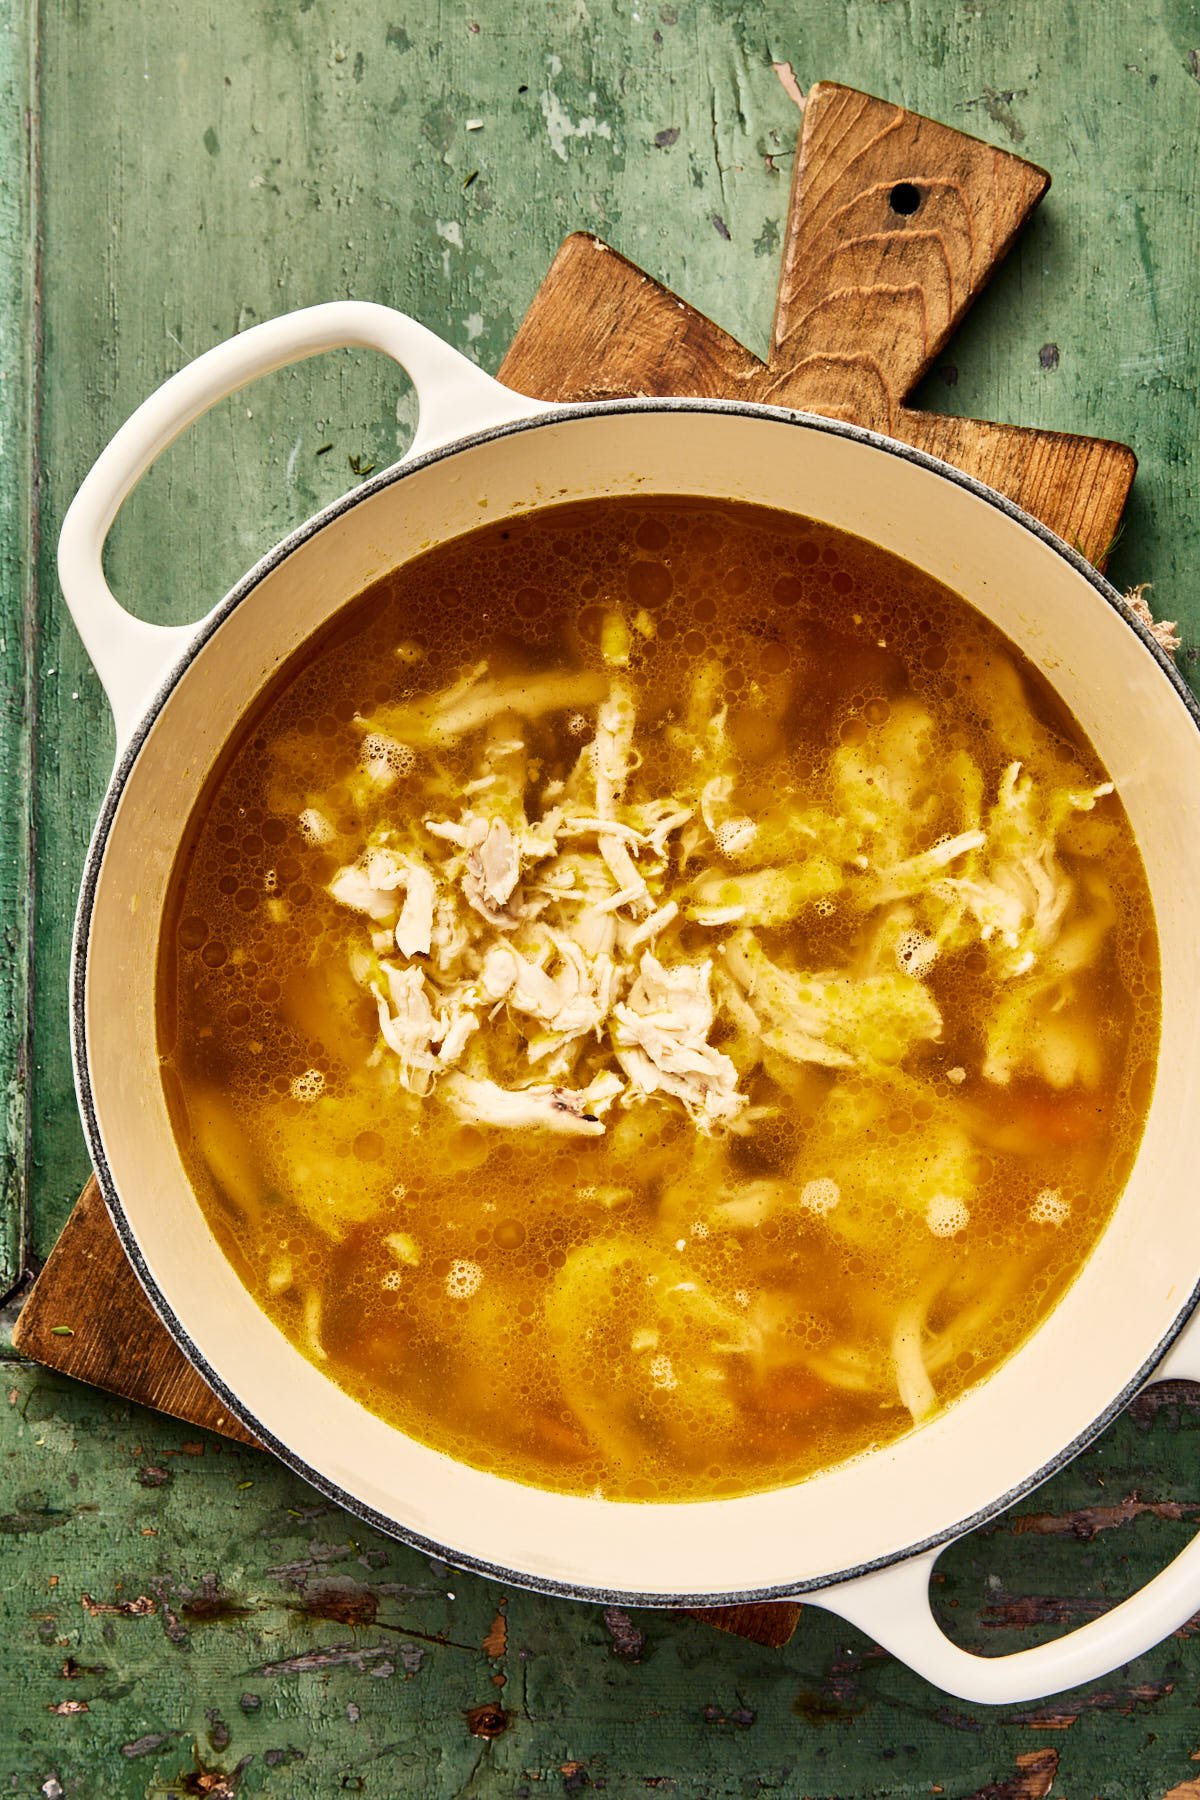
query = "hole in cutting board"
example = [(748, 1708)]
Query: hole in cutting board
[(904, 198)]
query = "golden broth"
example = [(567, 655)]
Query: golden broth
[(789, 903)]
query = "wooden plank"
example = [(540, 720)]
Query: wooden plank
[(87, 1315), (867, 297), (17, 559)]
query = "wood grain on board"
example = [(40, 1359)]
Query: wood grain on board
[(87, 1315), (867, 297), (895, 223)]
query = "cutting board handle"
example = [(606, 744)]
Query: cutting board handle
[(894, 225)]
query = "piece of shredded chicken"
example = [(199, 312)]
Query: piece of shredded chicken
[(661, 1040)]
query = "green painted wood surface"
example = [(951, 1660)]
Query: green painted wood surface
[(17, 560), (203, 165)]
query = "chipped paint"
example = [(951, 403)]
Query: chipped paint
[(788, 82), (561, 128)]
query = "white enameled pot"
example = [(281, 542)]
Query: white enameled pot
[(861, 1539)]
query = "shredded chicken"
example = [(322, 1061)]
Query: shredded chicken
[(912, 1376), (353, 887), (475, 700), (829, 1018), (492, 872), (552, 1108), (546, 921), (414, 928), (553, 918), (408, 1024), (661, 1039)]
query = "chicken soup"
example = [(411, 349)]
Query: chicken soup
[(659, 998)]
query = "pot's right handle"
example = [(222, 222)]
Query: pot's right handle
[(131, 657), (892, 1607)]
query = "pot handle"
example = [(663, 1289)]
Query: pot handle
[(132, 657), (892, 1607)]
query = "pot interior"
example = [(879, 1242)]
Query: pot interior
[(1004, 1434)]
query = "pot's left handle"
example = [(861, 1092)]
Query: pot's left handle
[(892, 1607), (131, 657)]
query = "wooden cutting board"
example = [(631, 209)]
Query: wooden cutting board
[(894, 225)]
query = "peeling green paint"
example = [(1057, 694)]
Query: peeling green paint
[(227, 1613)]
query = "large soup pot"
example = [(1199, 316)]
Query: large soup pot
[(860, 1539)]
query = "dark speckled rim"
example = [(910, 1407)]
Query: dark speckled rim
[(80, 948)]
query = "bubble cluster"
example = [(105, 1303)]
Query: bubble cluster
[(314, 826), (946, 1215), (1050, 1208), (821, 1195), (385, 759), (735, 837), (463, 1278), (916, 953)]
